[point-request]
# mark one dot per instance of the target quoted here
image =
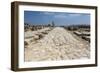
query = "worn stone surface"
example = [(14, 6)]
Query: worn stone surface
[(57, 44)]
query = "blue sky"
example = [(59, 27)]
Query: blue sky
[(59, 18)]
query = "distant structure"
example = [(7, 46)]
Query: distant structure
[(33, 27), (75, 27), (53, 24)]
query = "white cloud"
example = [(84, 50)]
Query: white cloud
[(66, 15), (60, 16), (75, 15), (48, 13)]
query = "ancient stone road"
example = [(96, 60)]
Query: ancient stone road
[(58, 44)]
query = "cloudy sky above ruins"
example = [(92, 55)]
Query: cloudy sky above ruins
[(59, 18)]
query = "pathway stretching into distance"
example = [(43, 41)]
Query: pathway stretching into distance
[(58, 44)]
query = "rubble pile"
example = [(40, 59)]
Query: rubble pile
[(57, 44)]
